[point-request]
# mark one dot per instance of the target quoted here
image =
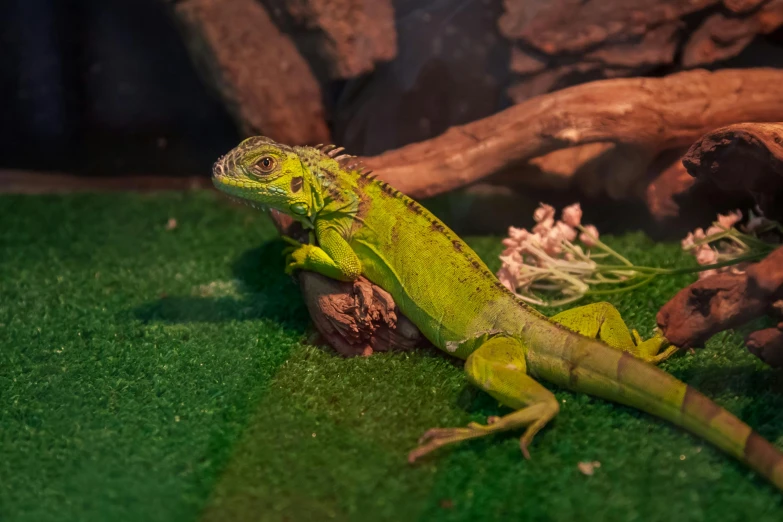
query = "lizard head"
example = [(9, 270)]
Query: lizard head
[(265, 174)]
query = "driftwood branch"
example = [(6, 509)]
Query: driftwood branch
[(357, 318), (648, 114), (728, 300), (673, 194), (743, 158), (767, 345)]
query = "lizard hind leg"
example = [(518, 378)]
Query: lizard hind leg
[(602, 321), (498, 367)]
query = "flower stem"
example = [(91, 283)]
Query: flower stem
[(683, 270), (603, 245), (623, 289)]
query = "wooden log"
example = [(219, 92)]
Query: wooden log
[(357, 318), (651, 114), (767, 345), (743, 158), (722, 301)]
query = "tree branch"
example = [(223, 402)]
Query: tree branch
[(652, 114)]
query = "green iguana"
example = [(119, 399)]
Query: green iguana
[(365, 227)]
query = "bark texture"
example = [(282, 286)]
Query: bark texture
[(644, 115), (725, 34), (743, 158), (728, 300), (356, 318), (256, 69), (560, 43), (346, 38)]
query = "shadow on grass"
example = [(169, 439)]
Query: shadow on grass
[(260, 290)]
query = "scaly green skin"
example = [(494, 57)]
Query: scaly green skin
[(363, 226)]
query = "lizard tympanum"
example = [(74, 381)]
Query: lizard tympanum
[(365, 227)]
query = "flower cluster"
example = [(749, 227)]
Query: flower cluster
[(548, 258), (549, 262), (723, 242)]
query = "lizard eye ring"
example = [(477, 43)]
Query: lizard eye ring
[(266, 164)]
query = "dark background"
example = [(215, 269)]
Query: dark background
[(107, 88), (94, 86)]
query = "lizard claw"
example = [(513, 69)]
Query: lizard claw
[(437, 437), (523, 446), (440, 433)]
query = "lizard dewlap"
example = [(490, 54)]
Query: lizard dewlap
[(365, 227)]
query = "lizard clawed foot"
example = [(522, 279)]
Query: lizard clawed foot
[(654, 350), (437, 437), (533, 418), (296, 255), (668, 352), (293, 246)]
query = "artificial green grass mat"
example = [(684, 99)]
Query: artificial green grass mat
[(154, 374)]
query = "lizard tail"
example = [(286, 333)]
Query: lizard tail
[(643, 386)]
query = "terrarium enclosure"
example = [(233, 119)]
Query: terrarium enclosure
[(157, 363)]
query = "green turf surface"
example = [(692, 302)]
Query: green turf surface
[(150, 374)]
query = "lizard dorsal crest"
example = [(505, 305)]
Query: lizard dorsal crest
[(346, 161)]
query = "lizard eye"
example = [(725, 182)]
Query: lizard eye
[(266, 164)]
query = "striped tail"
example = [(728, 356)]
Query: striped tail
[(643, 386)]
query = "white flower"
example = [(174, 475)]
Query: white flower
[(553, 245), (517, 234), (534, 240), (510, 243), (730, 219), (507, 278), (544, 212), (706, 255), (586, 239), (546, 258), (572, 215), (714, 230), (687, 243), (543, 227), (565, 232)]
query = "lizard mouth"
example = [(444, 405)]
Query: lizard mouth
[(248, 202), (229, 185)]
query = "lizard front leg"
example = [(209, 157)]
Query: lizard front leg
[(498, 367), (602, 321), (334, 258)]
